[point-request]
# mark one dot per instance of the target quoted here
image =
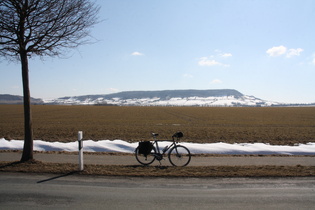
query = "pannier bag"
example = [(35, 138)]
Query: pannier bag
[(145, 147)]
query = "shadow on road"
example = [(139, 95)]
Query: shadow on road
[(59, 176)]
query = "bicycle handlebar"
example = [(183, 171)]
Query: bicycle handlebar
[(177, 135)]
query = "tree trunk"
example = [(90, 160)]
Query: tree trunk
[(28, 131)]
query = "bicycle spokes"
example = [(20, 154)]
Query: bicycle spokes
[(179, 156), (145, 159)]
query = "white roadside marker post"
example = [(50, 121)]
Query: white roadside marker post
[(80, 141)]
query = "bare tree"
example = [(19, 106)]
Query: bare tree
[(43, 28)]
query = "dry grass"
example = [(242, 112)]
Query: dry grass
[(160, 171), (274, 125)]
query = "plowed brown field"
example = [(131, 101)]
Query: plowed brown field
[(274, 125)]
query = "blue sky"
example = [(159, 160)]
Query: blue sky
[(264, 48)]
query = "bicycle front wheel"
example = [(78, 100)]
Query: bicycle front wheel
[(179, 156), (145, 159)]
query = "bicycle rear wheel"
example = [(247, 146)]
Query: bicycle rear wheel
[(145, 159), (179, 156)]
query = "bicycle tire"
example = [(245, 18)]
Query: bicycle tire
[(145, 160), (179, 156)]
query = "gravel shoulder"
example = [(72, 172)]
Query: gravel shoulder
[(198, 160), (115, 164)]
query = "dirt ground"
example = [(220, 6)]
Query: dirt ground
[(95, 164)]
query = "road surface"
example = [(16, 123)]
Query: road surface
[(24, 191)]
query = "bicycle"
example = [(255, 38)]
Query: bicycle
[(148, 151)]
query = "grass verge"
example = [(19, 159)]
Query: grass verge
[(160, 171)]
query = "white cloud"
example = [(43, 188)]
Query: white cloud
[(214, 60), (204, 61), (313, 60), (216, 81), (226, 55), (137, 53), (294, 52), (276, 51), (282, 50)]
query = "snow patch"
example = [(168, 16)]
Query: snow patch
[(195, 148)]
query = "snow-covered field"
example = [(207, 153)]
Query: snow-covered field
[(177, 101), (195, 148)]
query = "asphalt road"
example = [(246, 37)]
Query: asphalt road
[(23, 191), (195, 161)]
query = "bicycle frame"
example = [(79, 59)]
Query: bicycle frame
[(178, 155), (158, 151)]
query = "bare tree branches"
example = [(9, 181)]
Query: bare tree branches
[(44, 27)]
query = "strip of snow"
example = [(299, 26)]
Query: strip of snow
[(195, 148)]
